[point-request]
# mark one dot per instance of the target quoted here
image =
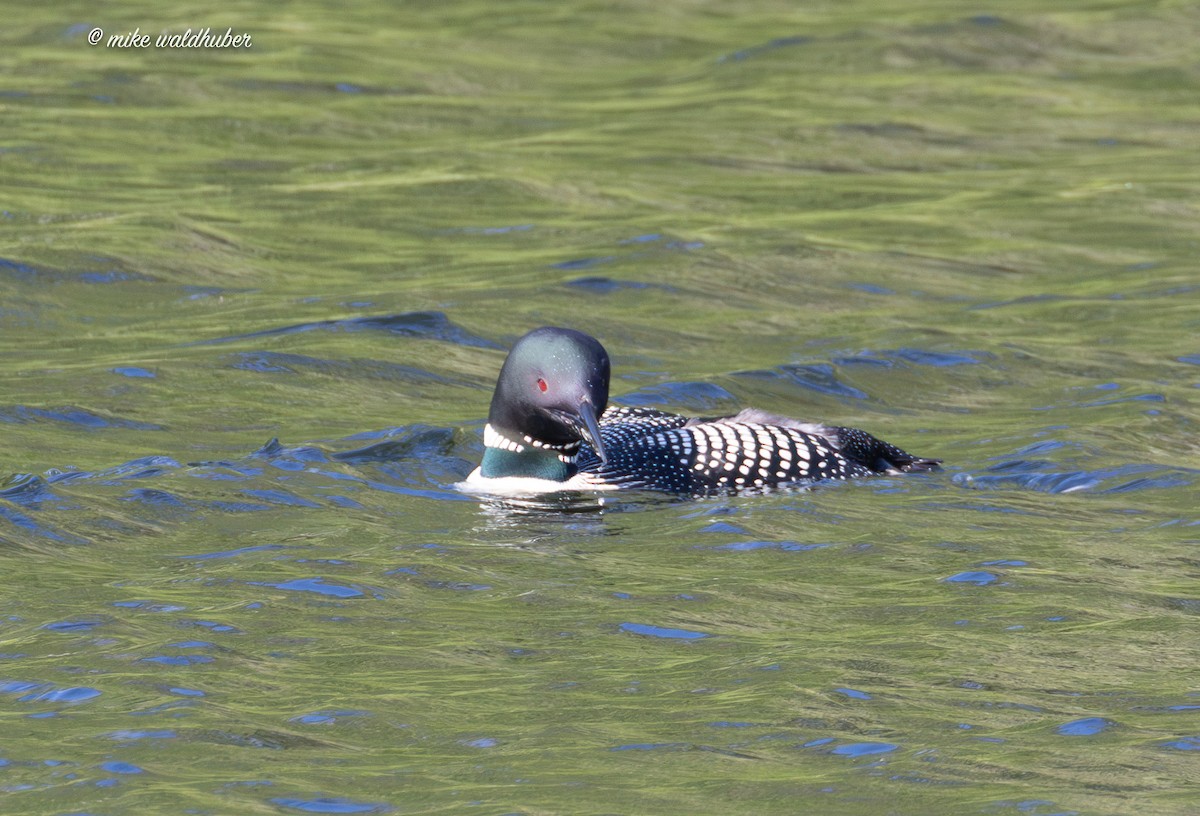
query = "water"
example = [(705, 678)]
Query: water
[(252, 304)]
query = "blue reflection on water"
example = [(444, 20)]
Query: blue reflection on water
[(1086, 727), (330, 805), (318, 586), (662, 631), (859, 749), (977, 577)]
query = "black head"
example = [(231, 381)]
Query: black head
[(552, 387)]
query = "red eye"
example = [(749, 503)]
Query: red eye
[(542, 384)]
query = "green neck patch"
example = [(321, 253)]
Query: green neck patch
[(534, 463)]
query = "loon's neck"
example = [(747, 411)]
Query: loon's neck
[(503, 457)]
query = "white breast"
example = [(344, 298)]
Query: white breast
[(528, 486)]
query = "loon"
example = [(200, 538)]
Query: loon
[(550, 429)]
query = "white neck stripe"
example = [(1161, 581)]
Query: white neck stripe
[(494, 439)]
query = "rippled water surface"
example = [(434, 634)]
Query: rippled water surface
[(252, 305)]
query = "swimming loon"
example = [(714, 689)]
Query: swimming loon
[(548, 429)]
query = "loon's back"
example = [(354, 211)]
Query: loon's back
[(752, 450)]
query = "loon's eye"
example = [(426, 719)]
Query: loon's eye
[(542, 385)]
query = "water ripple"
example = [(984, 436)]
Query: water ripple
[(1045, 477), (329, 717), (861, 749), (24, 271), (424, 325), (133, 735), (274, 362), (1086, 727), (1184, 744), (583, 263), (25, 488), (318, 586), (662, 631), (603, 286), (771, 45), (220, 554), (916, 356), (696, 397), (72, 415), (330, 805), (785, 546), (135, 372), (47, 692), (819, 377), (977, 577), (412, 441)]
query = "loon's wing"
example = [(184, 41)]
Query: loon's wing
[(855, 445), (747, 451), (722, 456)]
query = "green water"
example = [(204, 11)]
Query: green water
[(971, 230)]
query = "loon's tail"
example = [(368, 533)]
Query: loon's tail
[(879, 456)]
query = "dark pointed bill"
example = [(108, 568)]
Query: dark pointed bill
[(591, 429), (583, 421)]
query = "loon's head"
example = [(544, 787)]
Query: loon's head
[(551, 389)]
